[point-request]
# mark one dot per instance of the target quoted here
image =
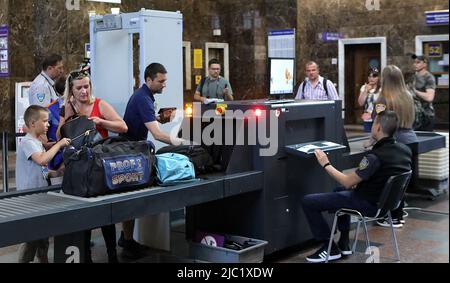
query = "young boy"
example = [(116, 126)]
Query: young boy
[(32, 171)]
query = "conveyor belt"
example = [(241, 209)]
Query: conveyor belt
[(61, 194), (34, 203), (37, 214)]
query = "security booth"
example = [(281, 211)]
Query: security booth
[(294, 129), (283, 128)]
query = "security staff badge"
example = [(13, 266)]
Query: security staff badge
[(41, 97), (364, 164), (380, 108)]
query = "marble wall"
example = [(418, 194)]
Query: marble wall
[(40, 27), (246, 28), (398, 21)]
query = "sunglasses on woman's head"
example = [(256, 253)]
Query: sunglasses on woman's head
[(78, 75)]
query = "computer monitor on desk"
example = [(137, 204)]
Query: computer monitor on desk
[(281, 77)]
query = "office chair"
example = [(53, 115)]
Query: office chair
[(391, 196)]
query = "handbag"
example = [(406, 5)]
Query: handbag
[(111, 165), (80, 130)]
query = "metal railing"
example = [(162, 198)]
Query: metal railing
[(5, 161)]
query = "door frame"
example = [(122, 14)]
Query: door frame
[(226, 56), (354, 41), (188, 71)]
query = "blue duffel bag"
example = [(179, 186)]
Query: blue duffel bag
[(173, 168)]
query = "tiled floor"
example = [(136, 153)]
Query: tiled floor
[(424, 239)]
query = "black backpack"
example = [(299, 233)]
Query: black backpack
[(325, 84), (202, 160)]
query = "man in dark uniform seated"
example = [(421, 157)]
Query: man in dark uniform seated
[(362, 188)]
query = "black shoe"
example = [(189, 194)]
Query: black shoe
[(385, 223), (344, 246), (321, 254), (131, 249), (404, 215)]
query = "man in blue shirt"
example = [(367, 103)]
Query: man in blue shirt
[(140, 114), (141, 118)]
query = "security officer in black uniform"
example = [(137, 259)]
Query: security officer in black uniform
[(362, 187)]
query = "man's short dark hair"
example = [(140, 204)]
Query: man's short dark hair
[(153, 70), (51, 61), (312, 63), (213, 61), (389, 122), (33, 114)]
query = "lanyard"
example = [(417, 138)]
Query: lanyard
[(51, 87)]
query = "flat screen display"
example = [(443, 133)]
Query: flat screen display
[(282, 76)]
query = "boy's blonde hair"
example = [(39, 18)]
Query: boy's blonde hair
[(33, 113)]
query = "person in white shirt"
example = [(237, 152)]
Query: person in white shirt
[(316, 87), (369, 93), (42, 90)]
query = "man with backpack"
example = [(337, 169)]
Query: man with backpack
[(424, 91), (213, 86), (316, 87)]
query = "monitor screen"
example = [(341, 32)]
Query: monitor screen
[(281, 76)]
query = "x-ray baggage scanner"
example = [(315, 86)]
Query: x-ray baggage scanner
[(112, 67), (112, 57)]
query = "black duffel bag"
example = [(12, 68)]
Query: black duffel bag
[(200, 157), (111, 165)]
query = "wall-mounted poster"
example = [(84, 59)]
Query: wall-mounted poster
[(282, 43), (4, 56), (198, 58)]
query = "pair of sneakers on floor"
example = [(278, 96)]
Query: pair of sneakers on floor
[(338, 251), (396, 222)]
